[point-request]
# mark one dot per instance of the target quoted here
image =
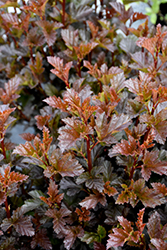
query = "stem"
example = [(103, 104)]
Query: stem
[(7, 209), (51, 51), (63, 9), (3, 146), (89, 154), (79, 68)]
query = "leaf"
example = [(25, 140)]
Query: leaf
[(70, 37), (124, 148), (110, 191), (61, 70), (56, 102), (58, 219), (42, 120), (38, 150), (49, 30), (159, 244), (33, 38), (120, 236), (54, 197), (154, 226), (10, 93), (120, 8), (36, 66), (106, 130), (3, 197), (21, 224), (148, 43), (84, 214), (63, 164), (5, 117), (72, 233), (92, 200), (74, 130), (140, 225), (92, 180), (9, 180), (37, 7), (70, 186), (27, 136), (41, 239), (98, 246), (152, 163), (84, 49), (159, 188), (81, 12)]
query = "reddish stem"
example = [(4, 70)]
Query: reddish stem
[(3, 147), (51, 51), (63, 9), (7, 209), (89, 154)]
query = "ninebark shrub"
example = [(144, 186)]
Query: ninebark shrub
[(93, 87)]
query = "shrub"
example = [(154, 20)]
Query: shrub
[(93, 174)]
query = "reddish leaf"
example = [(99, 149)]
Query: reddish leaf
[(49, 30), (98, 246), (140, 225), (110, 191), (160, 188), (27, 136), (3, 197), (120, 8), (71, 37), (92, 200), (59, 222), (21, 224), (39, 150), (9, 94), (148, 43), (41, 239), (159, 244), (54, 197), (154, 226), (42, 120), (72, 233), (84, 214), (34, 38), (105, 130), (152, 163), (124, 148), (36, 66), (63, 164), (56, 102), (36, 6), (120, 236), (5, 117), (62, 71), (72, 132), (84, 49)]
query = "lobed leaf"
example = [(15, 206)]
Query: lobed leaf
[(92, 200), (63, 164)]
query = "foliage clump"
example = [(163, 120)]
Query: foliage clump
[(93, 87)]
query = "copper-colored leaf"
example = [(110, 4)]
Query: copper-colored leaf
[(73, 131), (92, 200), (124, 148), (63, 164), (106, 130), (152, 163), (61, 70)]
